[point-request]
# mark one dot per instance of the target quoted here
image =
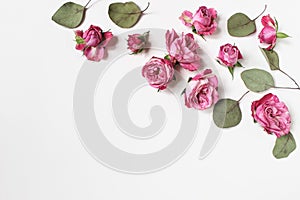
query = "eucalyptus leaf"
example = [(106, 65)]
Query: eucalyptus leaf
[(227, 113), (284, 146), (125, 15), (240, 25), (257, 80), (69, 15), (272, 58)]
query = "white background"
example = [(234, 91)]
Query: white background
[(41, 156)]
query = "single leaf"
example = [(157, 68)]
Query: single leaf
[(231, 70), (227, 113), (257, 80), (284, 146), (79, 40), (281, 35), (69, 15), (125, 15), (272, 58), (240, 25), (238, 64)]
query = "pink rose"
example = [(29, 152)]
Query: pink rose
[(137, 42), (201, 92), (272, 115), (158, 72), (268, 33), (183, 49), (203, 22), (229, 55), (92, 42), (186, 18)]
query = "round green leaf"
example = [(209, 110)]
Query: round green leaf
[(69, 15), (125, 15), (284, 146), (227, 113), (257, 80), (240, 25), (272, 58)]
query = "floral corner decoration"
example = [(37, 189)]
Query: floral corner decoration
[(201, 90)]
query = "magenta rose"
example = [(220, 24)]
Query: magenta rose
[(201, 92), (229, 55), (272, 115), (183, 49), (92, 42), (203, 21), (137, 42), (267, 35), (158, 72)]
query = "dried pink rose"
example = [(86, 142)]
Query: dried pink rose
[(268, 33), (272, 115), (92, 42), (137, 42), (202, 91), (203, 21), (183, 49), (229, 55), (158, 72)]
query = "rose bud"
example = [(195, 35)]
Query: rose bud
[(137, 42)]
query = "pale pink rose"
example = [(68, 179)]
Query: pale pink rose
[(158, 72), (229, 55), (201, 92), (92, 42), (183, 49), (137, 42), (186, 18), (268, 33), (204, 21), (272, 115)]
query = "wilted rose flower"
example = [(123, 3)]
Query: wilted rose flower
[(158, 72), (203, 21), (268, 33), (92, 42), (183, 49), (272, 115), (229, 55), (137, 42), (201, 92)]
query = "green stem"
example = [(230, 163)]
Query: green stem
[(243, 96), (146, 7), (289, 77), (260, 13)]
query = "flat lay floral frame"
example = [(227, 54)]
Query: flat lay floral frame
[(201, 92)]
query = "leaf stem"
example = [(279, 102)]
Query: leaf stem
[(87, 3), (260, 13), (286, 88), (243, 96), (146, 7), (289, 77)]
